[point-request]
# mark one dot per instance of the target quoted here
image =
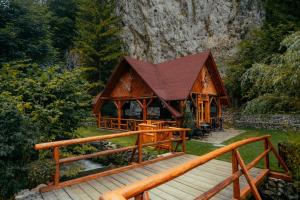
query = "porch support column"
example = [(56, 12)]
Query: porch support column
[(98, 115), (119, 107), (144, 110), (207, 111), (219, 108), (99, 118), (182, 105)]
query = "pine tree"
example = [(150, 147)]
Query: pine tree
[(98, 41), (24, 31), (62, 23)]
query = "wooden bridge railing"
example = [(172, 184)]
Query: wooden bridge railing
[(138, 146), (139, 190)]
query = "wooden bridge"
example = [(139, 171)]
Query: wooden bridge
[(174, 176)]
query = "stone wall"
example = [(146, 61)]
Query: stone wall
[(278, 189), (268, 122)]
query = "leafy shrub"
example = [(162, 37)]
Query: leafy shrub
[(189, 119), (84, 149), (36, 104), (290, 151), (40, 171), (272, 104), (275, 87), (54, 99), (17, 137)]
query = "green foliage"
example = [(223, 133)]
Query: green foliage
[(17, 137), (36, 104), (98, 42), (62, 23), (189, 119), (54, 100), (84, 149), (270, 103), (40, 171), (291, 152), (275, 87), (261, 46), (25, 32)]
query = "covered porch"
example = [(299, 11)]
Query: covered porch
[(128, 113)]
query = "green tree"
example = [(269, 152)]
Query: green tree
[(24, 31), (17, 137), (53, 99), (62, 23), (37, 104), (282, 18), (275, 87), (98, 40)]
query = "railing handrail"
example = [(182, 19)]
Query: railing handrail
[(139, 187), (48, 145), (131, 119), (139, 144)]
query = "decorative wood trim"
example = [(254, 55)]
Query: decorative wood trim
[(140, 103), (149, 102)]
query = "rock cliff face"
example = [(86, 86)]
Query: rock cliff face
[(159, 30)]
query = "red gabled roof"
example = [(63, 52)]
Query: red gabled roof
[(171, 80)]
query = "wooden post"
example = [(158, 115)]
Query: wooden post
[(282, 163), (56, 160), (248, 176), (219, 108), (182, 105), (144, 110), (236, 183), (140, 147), (119, 107), (267, 162), (99, 119), (207, 111), (183, 135), (142, 196)]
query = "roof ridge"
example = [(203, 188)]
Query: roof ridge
[(185, 56)]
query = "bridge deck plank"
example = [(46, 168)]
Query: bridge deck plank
[(187, 186)]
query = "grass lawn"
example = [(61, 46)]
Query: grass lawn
[(93, 131), (248, 152)]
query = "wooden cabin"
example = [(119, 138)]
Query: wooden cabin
[(141, 91)]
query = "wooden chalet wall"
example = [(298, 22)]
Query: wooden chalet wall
[(205, 90), (131, 85), (204, 83)]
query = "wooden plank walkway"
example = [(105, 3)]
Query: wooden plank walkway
[(187, 186)]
